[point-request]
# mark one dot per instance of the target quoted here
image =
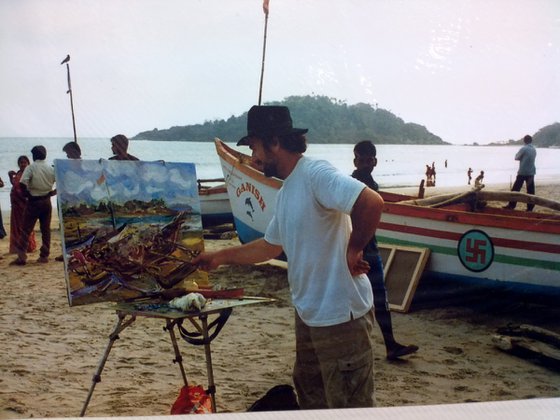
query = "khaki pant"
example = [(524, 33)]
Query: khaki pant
[(334, 365)]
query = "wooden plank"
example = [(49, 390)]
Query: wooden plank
[(528, 348), (403, 267)]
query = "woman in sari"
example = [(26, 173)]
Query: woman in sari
[(18, 201), (2, 231)]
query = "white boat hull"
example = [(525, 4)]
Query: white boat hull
[(521, 248), (215, 206)]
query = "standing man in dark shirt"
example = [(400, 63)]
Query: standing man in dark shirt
[(119, 146), (365, 160), (527, 170)]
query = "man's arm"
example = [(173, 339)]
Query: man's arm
[(250, 253), (24, 190), (519, 154), (365, 217)]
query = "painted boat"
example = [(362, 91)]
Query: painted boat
[(468, 240), (215, 207)]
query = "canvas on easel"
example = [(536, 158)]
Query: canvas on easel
[(129, 228)]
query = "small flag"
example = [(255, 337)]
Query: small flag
[(265, 7), (101, 179)]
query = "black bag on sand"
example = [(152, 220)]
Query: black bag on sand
[(278, 398)]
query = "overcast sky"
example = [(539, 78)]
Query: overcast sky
[(468, 70)]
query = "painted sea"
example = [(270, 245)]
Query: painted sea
[(398, 165)]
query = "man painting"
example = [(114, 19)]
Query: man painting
[(323, 220)]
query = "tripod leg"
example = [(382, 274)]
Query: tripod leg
[(121, 325), (178, 358), (209, 369)]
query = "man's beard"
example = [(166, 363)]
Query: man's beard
[(270, 170)]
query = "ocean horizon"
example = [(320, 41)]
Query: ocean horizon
[(398, 165)]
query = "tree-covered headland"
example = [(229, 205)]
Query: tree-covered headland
[(329, 121)]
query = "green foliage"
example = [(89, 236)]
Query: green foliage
[(547, 136), (329, 121)]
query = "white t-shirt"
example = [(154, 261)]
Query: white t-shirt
[(312, 224), (39, 178)]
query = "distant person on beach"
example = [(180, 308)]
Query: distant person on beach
[(469, 175), (527, 170), (119, 146), (18, 204), (72, 150), (315, 212), (37, 184), (429, 182), (478, 180), (365, 160), (2, 230)]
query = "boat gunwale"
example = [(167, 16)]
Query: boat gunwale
[(212, 190), (493, 220), (235, 159)]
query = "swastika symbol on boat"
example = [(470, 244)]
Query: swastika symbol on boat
[(475, 250)]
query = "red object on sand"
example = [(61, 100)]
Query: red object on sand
[(192, 399)]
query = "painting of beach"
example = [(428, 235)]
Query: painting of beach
[(129, 228)]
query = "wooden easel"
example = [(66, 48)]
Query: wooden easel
[(204, 332)]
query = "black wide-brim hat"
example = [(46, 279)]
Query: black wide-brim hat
[(269, 120)]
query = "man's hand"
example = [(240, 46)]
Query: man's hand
[(207, 261), (356, 263), (253, 252), (365, 216)]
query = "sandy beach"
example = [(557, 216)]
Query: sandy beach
[(50, 350)]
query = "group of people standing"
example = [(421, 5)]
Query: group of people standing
[(30, 198), (32, 189), (431, 174)]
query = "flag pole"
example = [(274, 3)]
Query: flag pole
[(265, 9), (66, 61)]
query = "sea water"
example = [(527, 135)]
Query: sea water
[(398, 165)]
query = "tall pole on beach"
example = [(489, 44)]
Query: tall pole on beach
[(66, 61), (265, 10)]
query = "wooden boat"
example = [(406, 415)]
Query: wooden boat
[(214, 202), (468, 239)]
